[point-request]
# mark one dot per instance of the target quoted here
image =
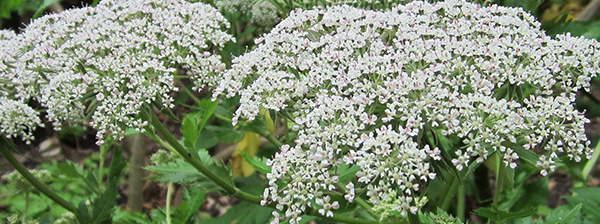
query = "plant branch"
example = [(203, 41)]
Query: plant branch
[(190, 158), (587, 169), (450, 192), (359, 201), (173, 143), (137, 149), (270, 138), (188, 92), (460, 201), (43, 188)]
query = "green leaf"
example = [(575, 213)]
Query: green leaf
[(212, 135), (217, 167), (184, 173), (72, 171), (439, 217), (565, 215), (526, 155), (347, 173), (259, 164), (193, 198), (122, 216), (589, 198), (498, 215), (589, 29), (175, 172), (103, 206), (45, 4), (193, 123), (243, 213), (529, 5)]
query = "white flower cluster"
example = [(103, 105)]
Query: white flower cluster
[(7, 62), (112, 60), (264, 13), (17, 119), (261, 12), (365, 87), (364, 4), (21, 183), (233, 6)]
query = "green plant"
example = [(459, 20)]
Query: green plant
[(370, 112)]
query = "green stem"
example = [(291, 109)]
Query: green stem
[(499, 181), (587, 169), (227, 186), (189, 92), (103, 151), (43, 188), (187, 155), (359, 201), (170, 189), (460, 201), (450, 192), (267, 135)]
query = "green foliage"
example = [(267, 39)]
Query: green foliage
[(7, 7), (74, 182), (252, 214), (193, 123), (185, 212), (589, 199), (439, 217), (197, 131), (514, 195), (101, 208), (257, 163), (182, 172), (589, 29), (528, 5)]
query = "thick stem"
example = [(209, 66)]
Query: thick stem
[(589, 165), (189, 92), (187, 155), (460, 201), (270, 138), (450, 192), (103, 151), (135, 196), (43, 188), (498, 183), (173, 143)]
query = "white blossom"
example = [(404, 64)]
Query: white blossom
[(367, 88), (113, 60), (264, 13), (17, 119), (350, 194)]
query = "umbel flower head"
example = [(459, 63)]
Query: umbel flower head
[(261, 13), (365, 88), (17, 119), (112, 60)]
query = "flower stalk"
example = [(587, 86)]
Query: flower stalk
[(460, 201), (171, 143), (41, 187)]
